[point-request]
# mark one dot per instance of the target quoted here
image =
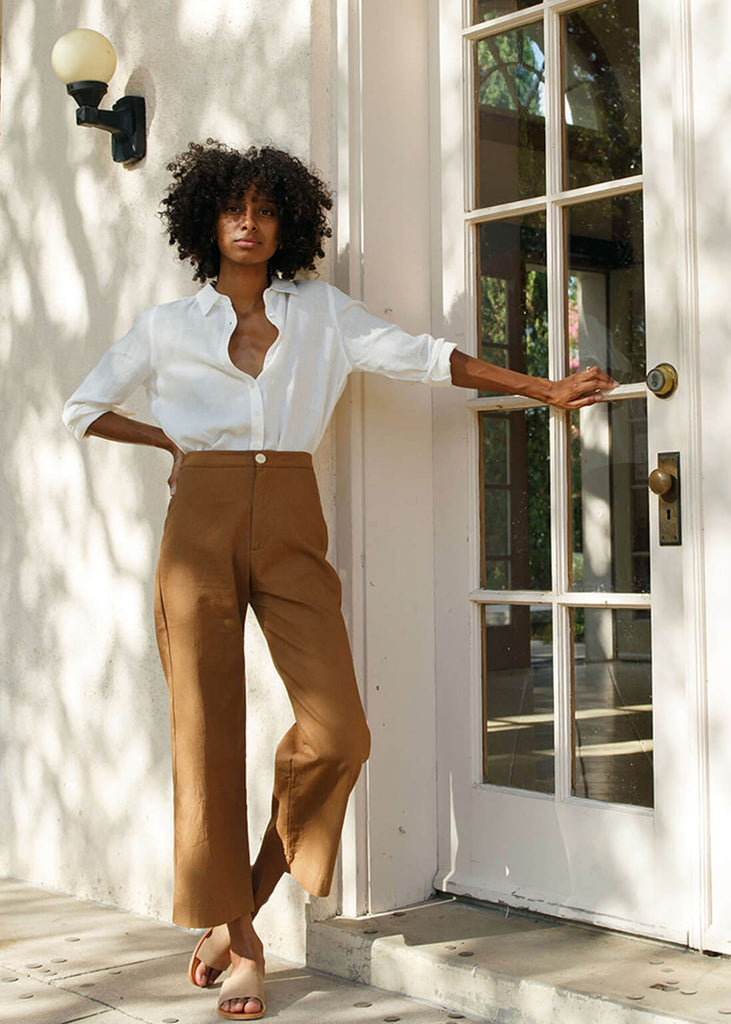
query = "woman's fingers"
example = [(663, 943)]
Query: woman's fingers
[(173, 478), (582, 388)]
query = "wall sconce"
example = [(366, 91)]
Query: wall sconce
[(85, 60)]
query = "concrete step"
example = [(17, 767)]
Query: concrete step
[(64, 961), (516, 968)]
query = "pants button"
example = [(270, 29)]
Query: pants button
[(260, 457)]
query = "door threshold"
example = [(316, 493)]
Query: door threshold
[(512, 967)]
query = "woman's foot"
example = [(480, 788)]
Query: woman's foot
[(247, 956), (205, 975), (211, 957)]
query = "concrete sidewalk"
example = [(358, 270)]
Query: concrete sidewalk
[(64, 960)]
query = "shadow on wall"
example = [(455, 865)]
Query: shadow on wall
[(85, 762)]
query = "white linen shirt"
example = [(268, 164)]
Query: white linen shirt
[(179, 353)]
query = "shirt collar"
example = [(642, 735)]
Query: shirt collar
[(208, 296)]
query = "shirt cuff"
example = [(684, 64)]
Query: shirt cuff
[(440, 371), (79, 419)]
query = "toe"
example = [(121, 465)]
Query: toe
[(241, 1006), (205, 975)]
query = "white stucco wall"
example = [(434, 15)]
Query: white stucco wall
[(85, 774)]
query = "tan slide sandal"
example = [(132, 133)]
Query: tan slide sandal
[(246, 984), (213, 951)]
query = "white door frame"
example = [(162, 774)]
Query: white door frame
[(384, 549)]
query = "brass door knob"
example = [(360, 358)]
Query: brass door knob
[(662, 380), (660, 482)]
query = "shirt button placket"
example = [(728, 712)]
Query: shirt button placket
[(257, 416)]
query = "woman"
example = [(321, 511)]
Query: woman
[(243, 378)]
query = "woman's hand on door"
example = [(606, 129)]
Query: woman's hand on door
[(585, 387), (582, 388)]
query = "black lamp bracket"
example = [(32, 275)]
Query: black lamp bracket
[(125, 122)]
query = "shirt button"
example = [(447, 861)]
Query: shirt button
[(260, 457)]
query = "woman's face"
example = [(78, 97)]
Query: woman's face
[(247, 229)]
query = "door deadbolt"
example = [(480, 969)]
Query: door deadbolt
[(662, 380), (665, 483)]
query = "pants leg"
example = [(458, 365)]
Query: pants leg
[(296, 595), (239, 531), (199, 611)]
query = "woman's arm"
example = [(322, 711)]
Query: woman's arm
[(119, 428), (582, 388)]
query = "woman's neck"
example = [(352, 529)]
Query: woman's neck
[(245, 286)]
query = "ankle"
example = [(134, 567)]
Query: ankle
[(245, 943)]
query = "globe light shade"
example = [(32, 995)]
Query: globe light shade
[(83, 55), (85, 60)]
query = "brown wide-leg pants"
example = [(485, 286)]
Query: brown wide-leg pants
[(247, 528)]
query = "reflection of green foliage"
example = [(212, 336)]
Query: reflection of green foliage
[(534, 311), (577, 531), (511, 71), (510, 94), (535, 323), (494, 332), (486, 10), (494, 320), (539, 498), (536, 420), (603, 96), (496, 576), (579, 625)]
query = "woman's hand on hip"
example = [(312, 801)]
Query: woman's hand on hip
[(175, 471)]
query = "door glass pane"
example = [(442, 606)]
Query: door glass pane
[(613, 706), (486, 10), (602, 93), (516, 508), (606, 297), (610, 498), (511, 132), (513, 327), (518, 697)]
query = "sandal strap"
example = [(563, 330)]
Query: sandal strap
[(245, 984), (214, 950)]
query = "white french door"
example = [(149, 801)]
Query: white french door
[(566, 745)]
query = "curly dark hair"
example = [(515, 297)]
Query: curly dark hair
[(206, 176)]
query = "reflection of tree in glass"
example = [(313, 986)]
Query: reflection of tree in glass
[(535, 322), (494, 327), (494, 429), (536, 424), (577, 525), (573, 324), (485, 10), (511, 116), (602, 82), (493, 320), (511, 71), (539, 505)]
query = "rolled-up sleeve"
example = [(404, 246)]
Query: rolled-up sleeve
[(124, 367), (377, 346)]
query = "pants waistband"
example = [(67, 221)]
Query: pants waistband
[(240, 460)]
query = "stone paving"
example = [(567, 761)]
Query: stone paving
[(64, 960)]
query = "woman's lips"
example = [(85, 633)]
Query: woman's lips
[(246, 243)]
